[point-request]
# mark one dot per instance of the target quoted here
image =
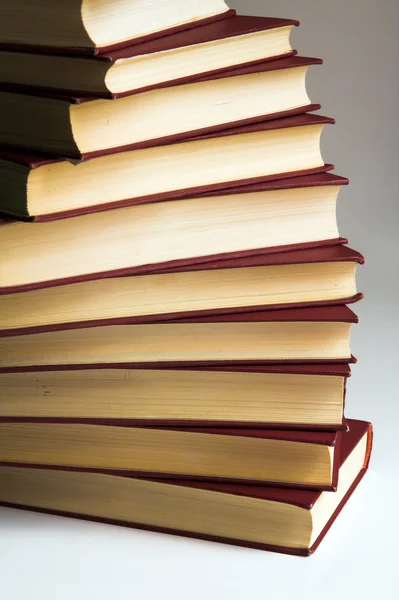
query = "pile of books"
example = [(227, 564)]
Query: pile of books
[(174, 328)]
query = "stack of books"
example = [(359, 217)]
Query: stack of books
[(174, 328)]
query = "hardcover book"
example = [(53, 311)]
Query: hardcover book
[(283, 396), (171, 59), (254, 456), (318, 276), (291, 335)]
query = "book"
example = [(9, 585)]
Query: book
[(89, 27), (33, 185), (288, 214), (283, 396), (318, 276), (277, 519), (301, 335), (171, 59), (286, 458), (82, 128)]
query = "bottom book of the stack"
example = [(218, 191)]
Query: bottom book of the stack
[(275, 518)]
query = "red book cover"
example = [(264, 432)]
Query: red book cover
[(317, 255), (333, 369), (305, 499)]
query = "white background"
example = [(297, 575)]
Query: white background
[(44, 557)]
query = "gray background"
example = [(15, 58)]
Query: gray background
[(47, 558)]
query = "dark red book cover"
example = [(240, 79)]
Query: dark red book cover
[(336, 253), (325, 314), (305, 499), (317, 255), (331, 369)]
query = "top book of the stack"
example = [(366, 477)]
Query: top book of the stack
[(219, 44), (90, 26)]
